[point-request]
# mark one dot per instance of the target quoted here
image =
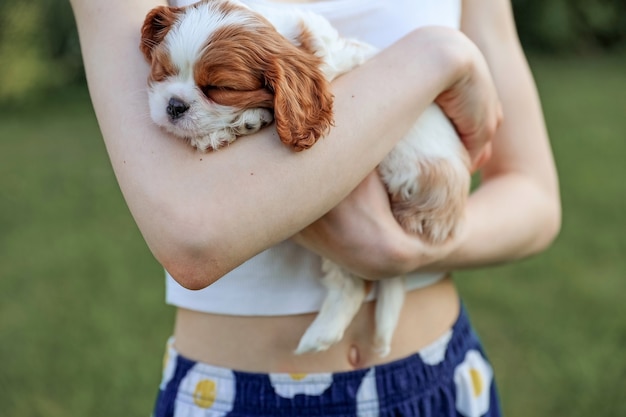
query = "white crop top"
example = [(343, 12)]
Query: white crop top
[(285, 279)]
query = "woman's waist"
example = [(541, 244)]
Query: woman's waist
[(266, 343)]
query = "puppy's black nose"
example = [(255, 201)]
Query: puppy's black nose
[(176, 108)]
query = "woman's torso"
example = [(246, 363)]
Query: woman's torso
[(220, 324)]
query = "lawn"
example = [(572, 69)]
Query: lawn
[(82, 318)]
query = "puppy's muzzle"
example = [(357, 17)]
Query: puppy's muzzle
[(176, 108)]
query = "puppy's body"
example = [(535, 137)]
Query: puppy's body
[(221, 70)]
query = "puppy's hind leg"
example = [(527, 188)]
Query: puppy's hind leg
[(344, 298), (435, 211), (389, 302), (428, 178)]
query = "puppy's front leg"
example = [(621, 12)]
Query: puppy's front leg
[(343, 299)]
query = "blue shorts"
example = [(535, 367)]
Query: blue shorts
[(450, 377)]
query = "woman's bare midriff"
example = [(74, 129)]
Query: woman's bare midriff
[(266, 344)]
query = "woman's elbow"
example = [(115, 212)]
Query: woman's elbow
[(549, 224), (554, 222), (190, 272), (191, 255)]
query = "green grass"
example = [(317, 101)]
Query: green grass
[(82, 318)]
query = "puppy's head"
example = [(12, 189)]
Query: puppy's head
[(214, 60)]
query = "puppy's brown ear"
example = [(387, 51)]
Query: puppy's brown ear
[(303, 103), (156, 25)]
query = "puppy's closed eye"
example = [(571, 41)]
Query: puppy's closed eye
[(240, 99)]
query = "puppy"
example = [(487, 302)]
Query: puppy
[(220, 70)]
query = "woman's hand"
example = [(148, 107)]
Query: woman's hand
[(473, 105), (355, 232), (362, 235)]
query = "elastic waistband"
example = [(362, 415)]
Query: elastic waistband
[(329, 394)]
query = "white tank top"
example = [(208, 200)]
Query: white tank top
[(285, 279)]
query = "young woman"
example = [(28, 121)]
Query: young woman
[(240, 231)]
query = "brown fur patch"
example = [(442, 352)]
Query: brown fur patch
[(155, 26), (162, 66), (305, 39)]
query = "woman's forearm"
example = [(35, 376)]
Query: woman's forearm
[(508, 219), (204, 214), (516, 212)]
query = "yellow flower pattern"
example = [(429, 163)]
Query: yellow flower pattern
[(211, 392), (204, 394), (473, 379), (290, 385)]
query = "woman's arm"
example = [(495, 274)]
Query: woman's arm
[(204, 214), (514, 213)]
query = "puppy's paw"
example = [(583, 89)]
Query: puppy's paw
[(251, 121), (435, 226), (214, 140), (433, 204), (319, 337), (381, 347)]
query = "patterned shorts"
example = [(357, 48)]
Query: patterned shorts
[(450, 377)]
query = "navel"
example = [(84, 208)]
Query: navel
[(354, 356)]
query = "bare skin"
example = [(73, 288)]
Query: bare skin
[(199, 229), (210, 338)]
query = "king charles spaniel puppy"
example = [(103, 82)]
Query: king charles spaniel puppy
[(220, 70)]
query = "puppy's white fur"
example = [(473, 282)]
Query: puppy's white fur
[(426, 173)]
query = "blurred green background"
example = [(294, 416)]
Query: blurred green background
[(82, 318)]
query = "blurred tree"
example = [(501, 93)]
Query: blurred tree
[(571, 26), (39, 47)]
